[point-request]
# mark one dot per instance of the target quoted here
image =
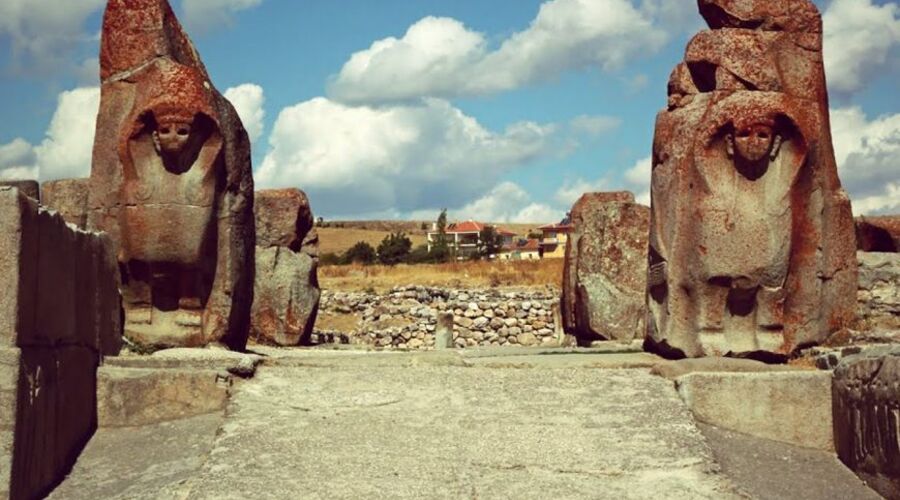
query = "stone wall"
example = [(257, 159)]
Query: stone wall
[(60, 312), (406, 317), (878, 298)]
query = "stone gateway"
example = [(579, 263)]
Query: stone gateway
[(171, 182), (752, 238)]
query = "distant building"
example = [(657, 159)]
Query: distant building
[(464, 238), (522, 249), (554, 238)]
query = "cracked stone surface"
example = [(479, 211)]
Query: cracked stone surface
[(425, 425), (453, 432)]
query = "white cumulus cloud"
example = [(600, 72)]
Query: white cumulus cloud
[(440, 57), (249, 101), (43, 34), (635, 179), (868, 158), (361, 159), (208, 14), (508, 202), (859, 38), (67, 147)]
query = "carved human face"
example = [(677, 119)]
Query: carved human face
[(753, 143), (173, 136)]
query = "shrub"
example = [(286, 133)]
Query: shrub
[(394, 249)]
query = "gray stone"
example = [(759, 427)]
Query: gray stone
[(69, 197), (790, 407), (443, 335), (866, 393), (286, 296)]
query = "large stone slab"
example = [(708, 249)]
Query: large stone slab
[(790, 407), (129, 397), (605, 274), (69, 197), (440, 432), (171, 183), (286, 290), (59, 313), (751, 241), (866, 394)]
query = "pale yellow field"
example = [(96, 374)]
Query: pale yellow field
[(478, 274), (339, 240)]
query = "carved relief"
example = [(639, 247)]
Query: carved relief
[(177, 195), (745, 194)]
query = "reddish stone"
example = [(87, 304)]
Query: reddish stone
[(751, 245), (283, 218), (605, 274), (878, 234), (171, 183)]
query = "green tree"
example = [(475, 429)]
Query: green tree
[(394, 248), (490, 242), (440, 248), (361, 252)]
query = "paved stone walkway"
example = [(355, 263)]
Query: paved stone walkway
[(475, 425)]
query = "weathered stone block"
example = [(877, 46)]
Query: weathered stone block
[(866, 395), (605, 274), (56, 282), (18, 266), (283, 218), (791, 407), (171, 183), (128, 397), (69, 197), (286, 289), (9, 383), (30, 189), (751, 241), (879, 291), (286, 296), (878, 234)]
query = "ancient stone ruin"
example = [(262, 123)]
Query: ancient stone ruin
[(286, 296), (171, 183), (751, 240), (69, 197), (605, 274), (59, 314), (866, 398)]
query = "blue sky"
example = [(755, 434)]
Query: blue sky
[(504, 110)]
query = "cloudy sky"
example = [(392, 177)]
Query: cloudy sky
[(502, 110)]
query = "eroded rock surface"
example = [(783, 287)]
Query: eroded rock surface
[(69, 197), (866, 395), (878, 234), (171, 183), (751, 242), (605, 275), (879, 291), (287, 291)]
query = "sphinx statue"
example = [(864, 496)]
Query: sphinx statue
[(751, 245), (171, 182)]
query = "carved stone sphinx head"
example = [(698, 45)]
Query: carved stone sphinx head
[(752, 145)]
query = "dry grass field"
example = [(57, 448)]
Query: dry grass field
[(468, 274), (340, 239)]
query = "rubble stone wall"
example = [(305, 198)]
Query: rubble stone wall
[(406, 317), (60, 312)]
